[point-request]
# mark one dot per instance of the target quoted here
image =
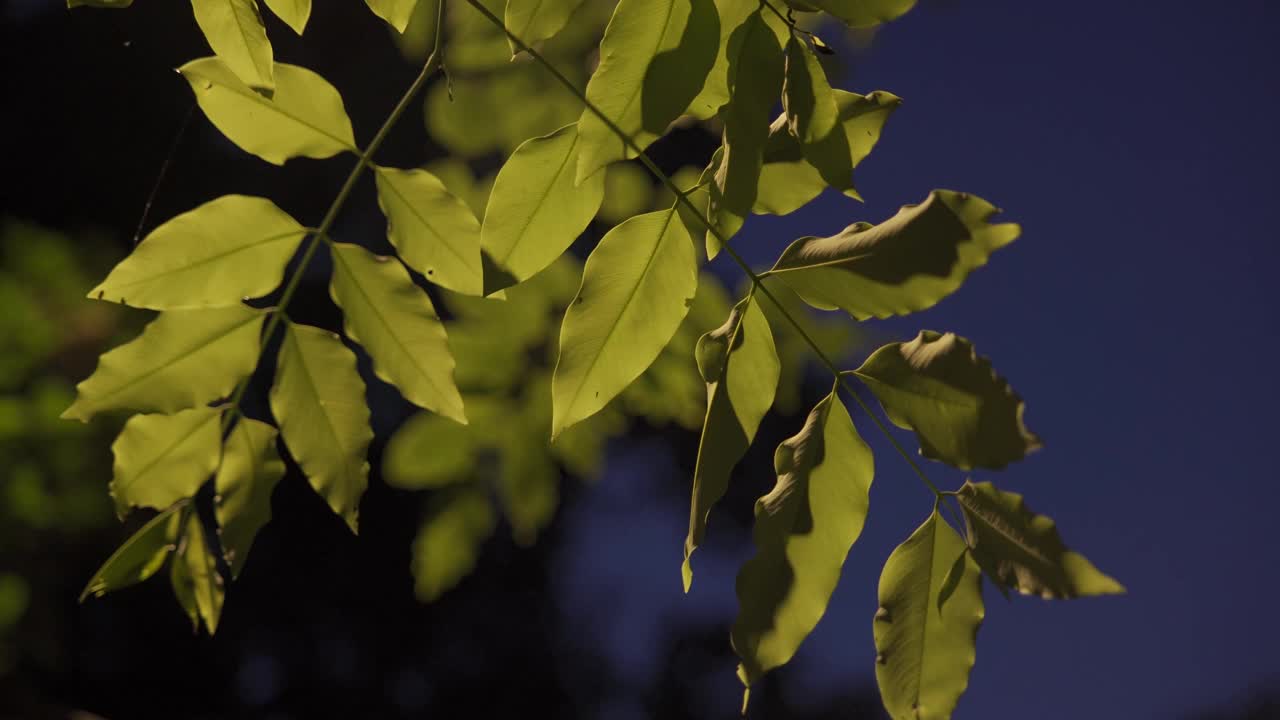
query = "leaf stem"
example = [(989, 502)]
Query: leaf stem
[(682, 199), (321, 232)]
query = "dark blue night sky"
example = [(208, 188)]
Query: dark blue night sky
[(1137, 145)]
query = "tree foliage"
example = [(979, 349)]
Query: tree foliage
[(505, 404)]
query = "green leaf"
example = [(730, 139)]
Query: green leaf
[(202, 585), (1022, 551), (654, 59), (804, 529), (436, 233), (294, 13), (755, 80), (235, 31), (318, 399), (788, 181), (161, 459), (397, 13), (535, 211), (428, 451), (139, 557), (251, 467), (905, 264), (813, 116), (924, 654), (636, 288), (183, 359), (226, 250), (394, 320), (629, 190), (449, 542), (857, 13), (304, 118), (715, 92), (529, 483), (740, 365), (535, 20), (962, 412)]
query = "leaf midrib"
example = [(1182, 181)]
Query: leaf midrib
[(301, 232), (542, 199), (259, 100), (315, 394), (423, 221)]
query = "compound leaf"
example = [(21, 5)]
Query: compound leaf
[(139, 557), (435, 232), (963, 413), (905, 264), (395, 321), (319, 400), (183, 359), (740, 365), (235, 31), (303, 118), (1021, 550), (226, 250), (251, 467), (804, 529), (636, 289), (924, 652), (535, 211), (161, 459)]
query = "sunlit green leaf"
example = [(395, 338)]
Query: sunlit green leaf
[(251, 467), (923, 654), (395, 322), (1021, 550), (436, 234), (396, 12), (654, 59), (428, 451), (183, 359), (199, 573), (449, 542), (294, 13), (535, 211), (536, 20), (628, 190), (226, 250), (636, 288), (715, 92), (906, 263), (161, 459), (755, 77), (318, 399), (857, 13), (963, 413), (235, 31), (139, 557), (813, 116), (739, 363), (788, 181), (804, 529), (304, 117)]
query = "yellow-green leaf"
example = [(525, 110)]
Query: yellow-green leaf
[(804, 529), (535, 211), (654, 59), (715, 91), (224, 251), (449, 542), (139, 557), (397, 13), (235, 31), (251, 467), (857, 13), (436, 233), (788, 181), (394, 320), (535, 20), (161, 459), (923, 653), (295, 13), (963, 413), (428, 451), (318, 398), (813, 116), (636, 288), (905, 264), (304, 118), (1021, 550), (198, 573), (740, 365), (183, 359)]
